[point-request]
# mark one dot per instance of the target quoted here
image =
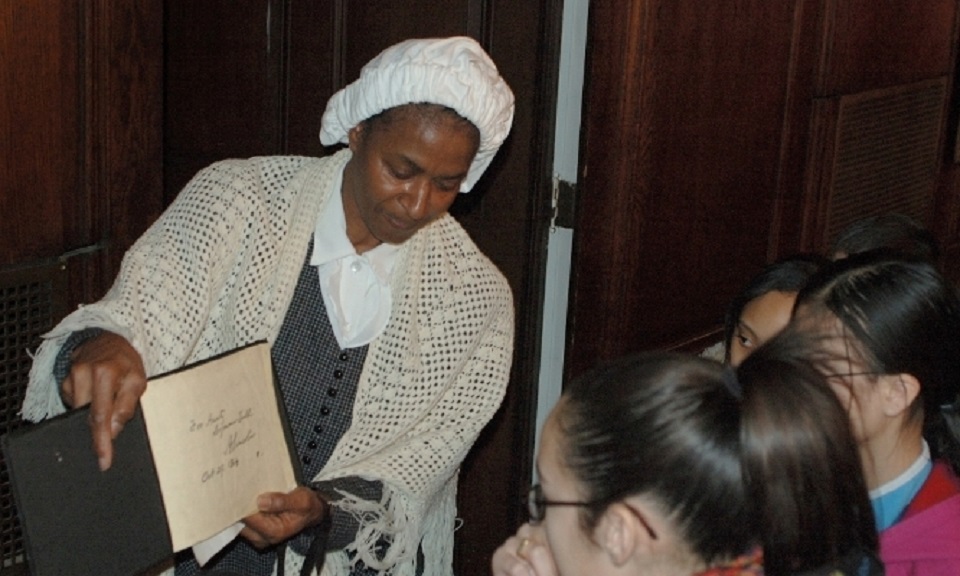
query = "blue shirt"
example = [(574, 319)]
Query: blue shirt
[(890, 500)]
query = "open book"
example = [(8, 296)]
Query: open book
[(207, 440)]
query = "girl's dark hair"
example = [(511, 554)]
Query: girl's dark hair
[(902, 317), (786, 275), (800, 461), (666, 426), (893, 232)]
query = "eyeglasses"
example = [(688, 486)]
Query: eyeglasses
[(537, 505)]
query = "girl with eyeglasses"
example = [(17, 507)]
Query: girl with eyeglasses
[(888, 334), (647, 466)]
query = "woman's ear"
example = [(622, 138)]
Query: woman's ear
[(898, 393), (621, 534), (355, 135)]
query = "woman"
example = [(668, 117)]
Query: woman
[(888, 335), (653, 483), (648, 484), (802, 468), (763, 307)]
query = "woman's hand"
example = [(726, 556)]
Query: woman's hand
[(524, 554), (283, 516), (107, 373)]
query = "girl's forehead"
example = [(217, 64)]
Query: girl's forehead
[(553, 442), (826, 331), (814, 319)]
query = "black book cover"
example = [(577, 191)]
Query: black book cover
[(77, 520)]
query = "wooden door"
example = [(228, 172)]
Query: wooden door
[(80, 173), (253, 78), (881, 99), (719, 136), (684, 109)]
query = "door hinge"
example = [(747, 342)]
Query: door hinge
[(564, 203)]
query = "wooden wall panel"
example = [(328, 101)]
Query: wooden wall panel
[(313, 69), (223, 84), (40, 129), (679, 167), (373, 25), (880, 153), (711, 136), (873, 44), (798, 130), (80, 133), (946, 221), (123, 136), (80, 172), (869, 48)]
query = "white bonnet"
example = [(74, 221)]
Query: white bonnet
[(453, 72)]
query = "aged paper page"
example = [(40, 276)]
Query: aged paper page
[(218, 442)]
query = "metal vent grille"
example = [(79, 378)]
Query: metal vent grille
[(31, 301), (887, 149)]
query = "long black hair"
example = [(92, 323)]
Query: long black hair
[(664, 425), (801, 464), (892, 232), (902, 317)]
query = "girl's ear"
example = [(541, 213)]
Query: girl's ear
[(621, 535), (898, 392)]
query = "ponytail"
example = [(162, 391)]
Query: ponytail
[(800, 462)]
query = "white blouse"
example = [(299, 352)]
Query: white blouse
[(355, 287)]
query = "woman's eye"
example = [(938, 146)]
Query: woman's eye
[(448, 186), (744, 341), (399, 174)]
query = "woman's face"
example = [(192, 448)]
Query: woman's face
[(403, 175), (630, 538), (761, 319), (846, 370), (574, 552)]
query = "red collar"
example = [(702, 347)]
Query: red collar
[(750, 564), (940, 485)]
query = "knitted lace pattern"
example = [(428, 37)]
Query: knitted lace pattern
[(218, 271)]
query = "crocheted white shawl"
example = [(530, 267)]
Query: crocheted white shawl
[(218, 271)]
